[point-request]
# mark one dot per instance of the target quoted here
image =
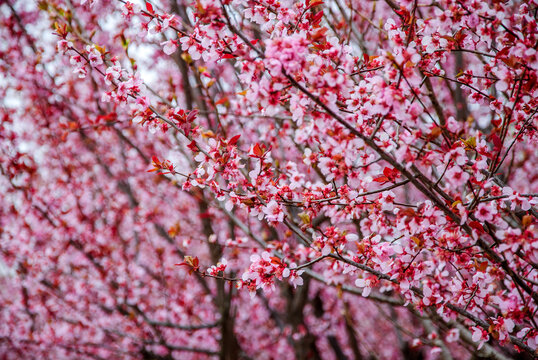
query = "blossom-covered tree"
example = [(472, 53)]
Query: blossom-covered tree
[(264, 179)]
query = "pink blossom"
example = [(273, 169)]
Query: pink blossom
[(516, 199), (94, 56), (365, 284), (170, 47), (216, 269), (190, 45), (130, 9), (288, 52), (113, 73), (452, 335), (273, 211), (64, 45), (485, 212), (456, 176), (479, 335)]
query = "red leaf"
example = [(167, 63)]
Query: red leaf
[(391, 174), (193, 146), (149, 7), (234, 140), (257, 150), (222, 101), (317, 18), (228, 56), (381, 179), (477, 226), (192, 115), (497, 143), (314, 3)]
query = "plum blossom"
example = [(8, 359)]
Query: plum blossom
[(517, 200), (386, 200), (263, 270), (130, 9), (112, 74), (505, 327), (457, 155), (273, 211), (435, 352), (190, 45), (94, 56), (452, 335), (288, 53), (456, 176), (79, 67), (170, 47), (296, 180), (433, 42), (479, 335), (367, 284), (64, 45), (216, 269), (326, 165), (485, 211), (90, 2), (294, 276)]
